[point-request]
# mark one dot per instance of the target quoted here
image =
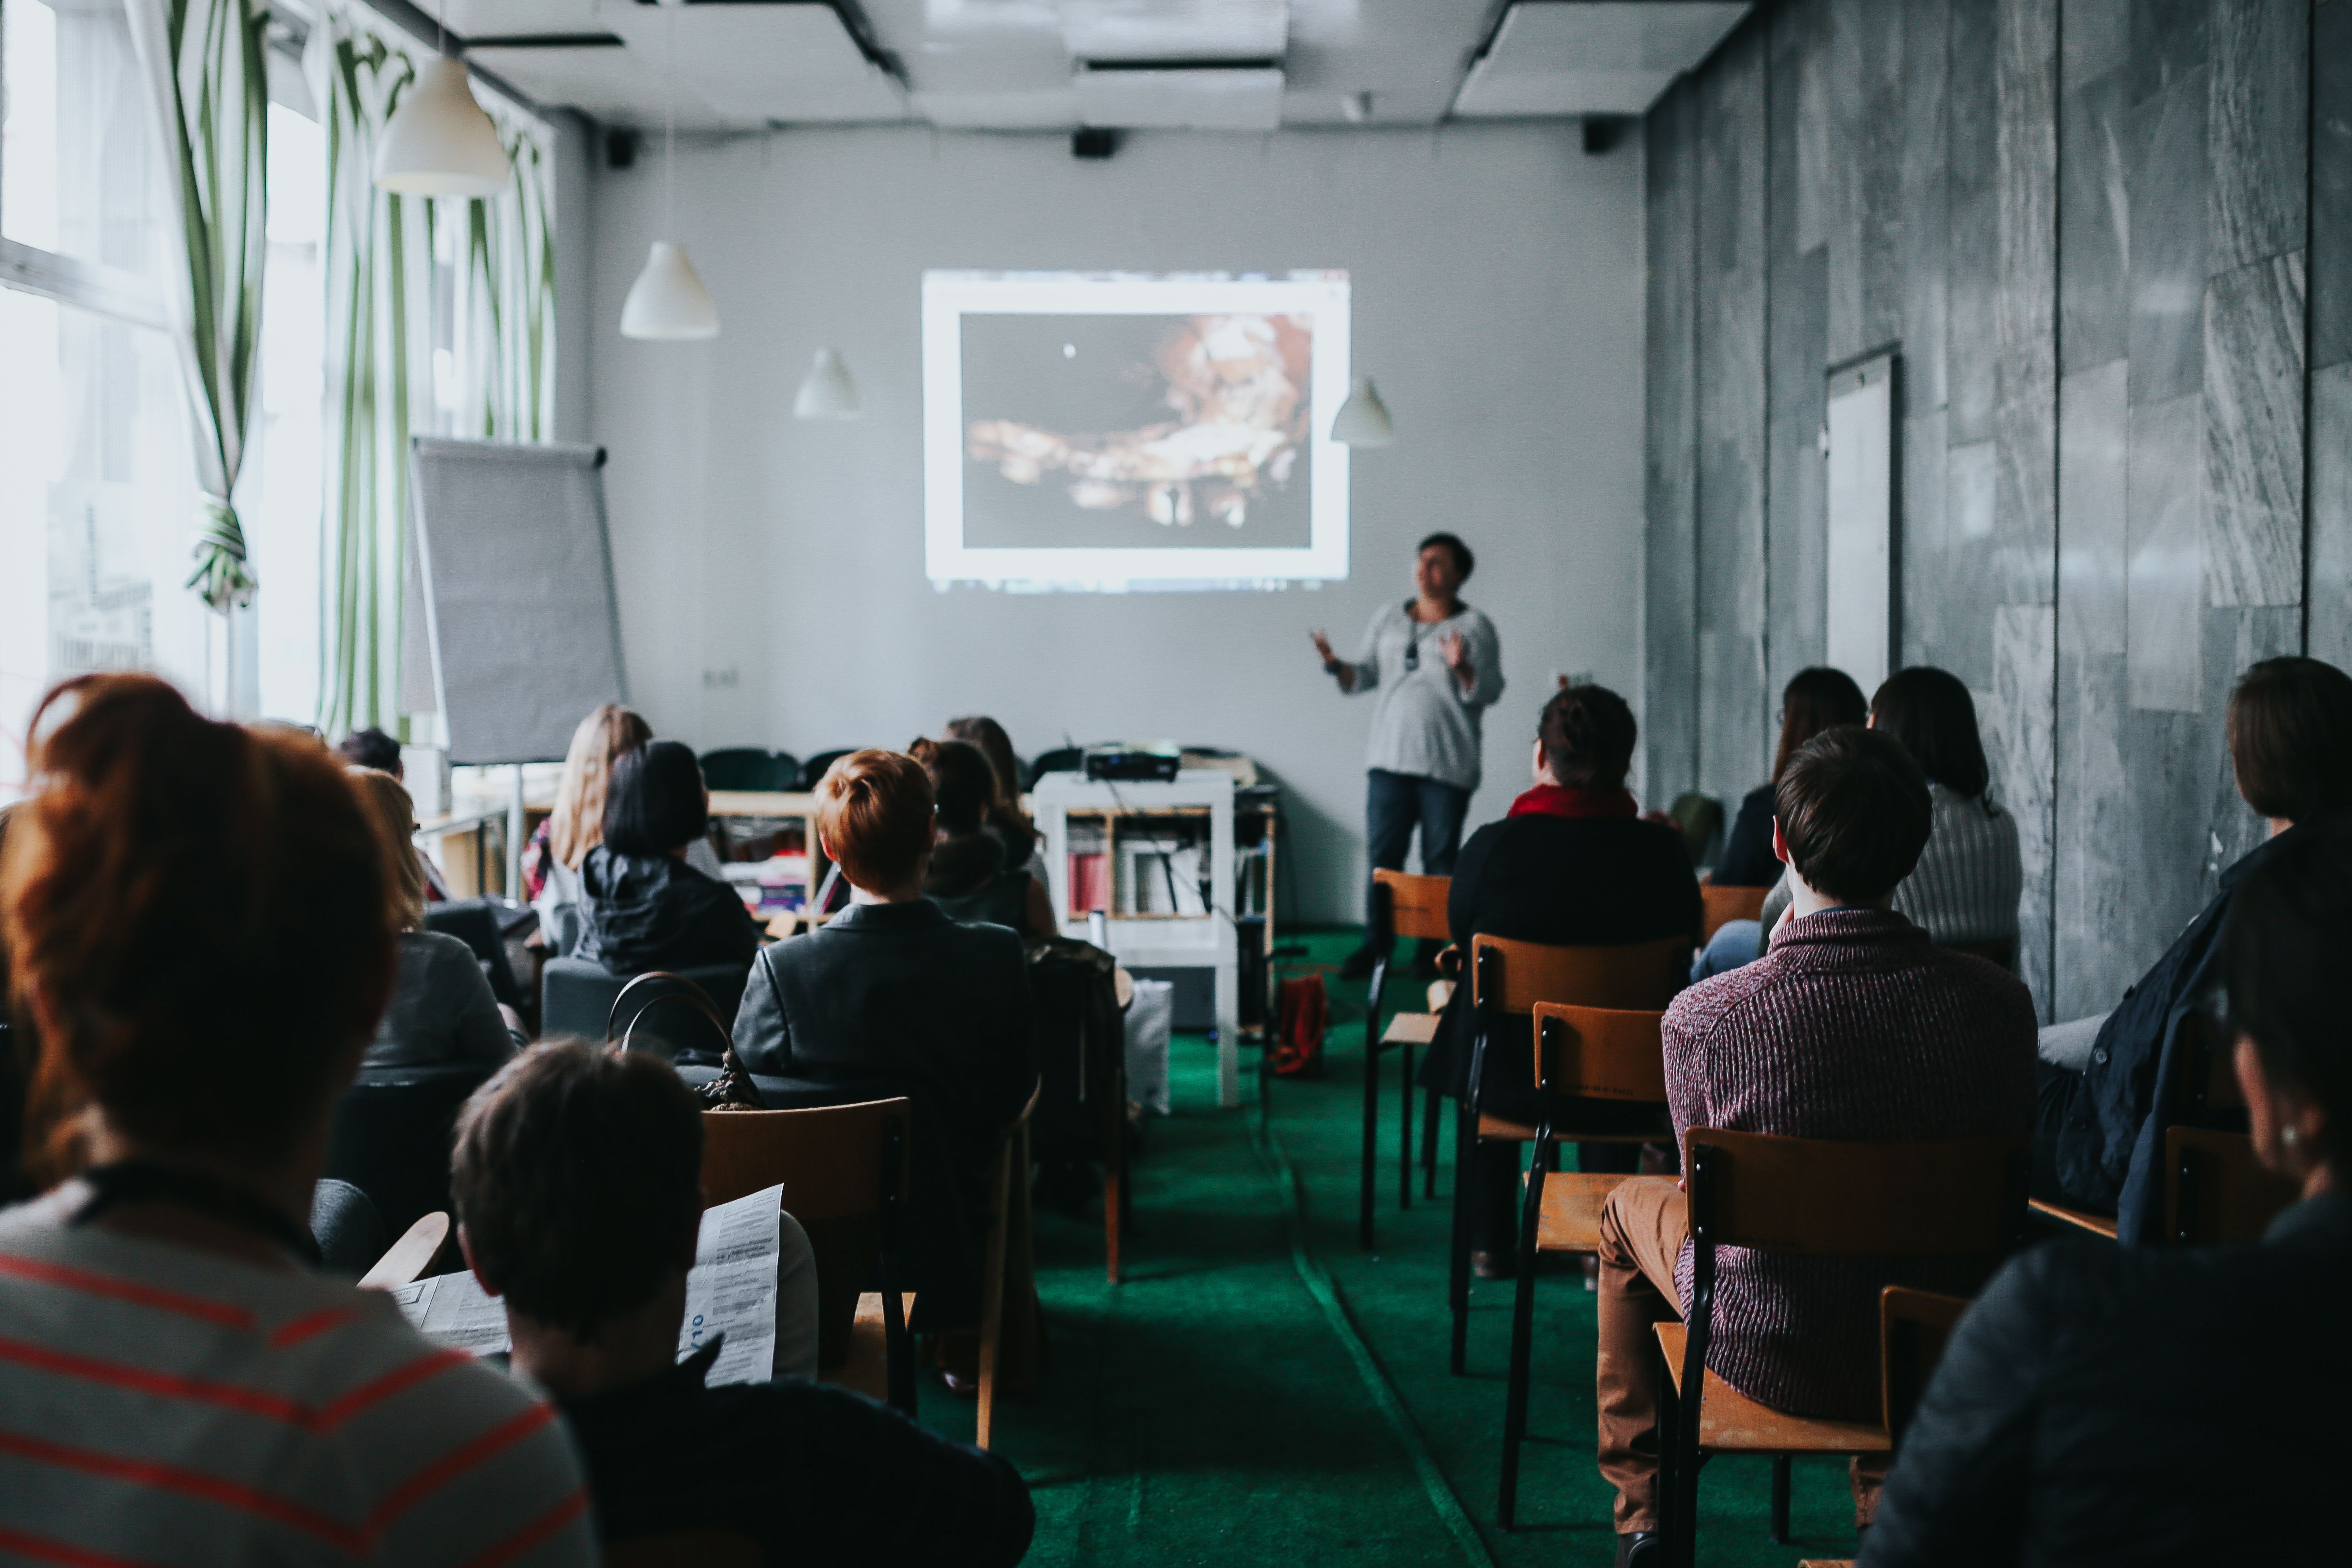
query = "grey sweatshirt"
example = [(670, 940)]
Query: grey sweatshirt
[(1423, 723)]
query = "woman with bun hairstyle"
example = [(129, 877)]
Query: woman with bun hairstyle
[(201, 932)]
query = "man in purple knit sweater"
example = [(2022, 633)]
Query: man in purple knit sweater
[(1854, 1026)]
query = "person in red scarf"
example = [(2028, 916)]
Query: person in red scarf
[(1573, 863)]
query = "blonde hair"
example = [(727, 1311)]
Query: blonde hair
[(388, 803), (605, 736)]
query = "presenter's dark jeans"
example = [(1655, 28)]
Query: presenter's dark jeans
[(1393, 805)]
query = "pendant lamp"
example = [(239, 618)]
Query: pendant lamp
[(1363, 419), (826, 393), (438, 142), (668, 302)]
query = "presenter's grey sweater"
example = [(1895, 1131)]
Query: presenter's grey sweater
[(1423, 723)]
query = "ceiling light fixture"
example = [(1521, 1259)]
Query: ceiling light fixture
[(438, 142), (827, 392), (668, 302), (1363, 420)]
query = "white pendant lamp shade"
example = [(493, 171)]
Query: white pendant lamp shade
[(1363, 419), (826, 393), (438, 142), (667, 302)]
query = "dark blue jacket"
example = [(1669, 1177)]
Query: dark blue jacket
[(2109, 1141)]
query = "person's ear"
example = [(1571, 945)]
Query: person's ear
[(1779, 843), (1543, 760), (466, 1248)]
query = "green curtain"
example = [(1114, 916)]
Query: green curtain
[(407, 276), (210, 92)]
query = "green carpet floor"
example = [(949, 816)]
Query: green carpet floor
[(1262, 1393)]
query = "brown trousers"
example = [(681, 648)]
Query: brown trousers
[(1642, 1229)]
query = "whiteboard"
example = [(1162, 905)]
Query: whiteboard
[(1861, 557), (516, 574)]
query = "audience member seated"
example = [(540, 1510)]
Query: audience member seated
[(645, 908), (1854, 1026), (968, 875), (1572, 864), (199, 918), (1024, 847), (891, 990), (1813, 700), (2100, 1142), (2078, 1413), (441, 1013), (578, 1178), (371, 748), (552, 859)]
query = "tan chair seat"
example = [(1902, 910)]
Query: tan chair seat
[(1409, 1029), (2096, 1224), (1495, 1129), (1731, 1423), (1572, 1202), (868, 1369)]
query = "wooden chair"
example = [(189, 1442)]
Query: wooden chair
[(1822, 1198), (2215, 1192), (844, 1169), (1719, 907), (1914, 1327), (1008, 1300), (1410, 906), (1590, 1054), (411, 1258), (1508, 979), (687, 1549)]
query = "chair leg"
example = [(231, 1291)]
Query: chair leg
[(992, 1298), (1523, 1308), (1114, 1175), (1458, 1275), (1670, 1523), (1428, 1143), (1404, 1132), (1370, 1154), (1779, 1500)]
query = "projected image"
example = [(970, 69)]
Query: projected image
[(1132, 430), (1115, 431)]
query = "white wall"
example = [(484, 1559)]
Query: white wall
[(1498, 301)]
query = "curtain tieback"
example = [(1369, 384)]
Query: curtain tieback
[(220, 578)]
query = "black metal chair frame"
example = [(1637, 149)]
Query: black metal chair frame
[(1383, 939)]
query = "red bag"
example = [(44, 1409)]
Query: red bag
[(1305, 1011)]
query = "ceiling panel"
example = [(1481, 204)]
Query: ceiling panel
[(1209, 100), (1572, 56), (510, 18), (755, 64), (612, 83), (1175, 29)]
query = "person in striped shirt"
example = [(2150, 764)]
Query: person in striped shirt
[(197, 917)]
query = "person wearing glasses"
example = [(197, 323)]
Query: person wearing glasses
[(1434, 665)]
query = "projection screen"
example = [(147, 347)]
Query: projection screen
[(1128, 431)]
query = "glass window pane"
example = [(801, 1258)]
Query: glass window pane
[(284, 527), (80, 173)]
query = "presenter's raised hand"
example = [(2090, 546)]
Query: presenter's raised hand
[(1457, 659), (1334, 665)]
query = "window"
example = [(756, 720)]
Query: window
[(97, 488), (282, 525)]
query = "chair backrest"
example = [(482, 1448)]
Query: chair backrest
[(1914, 1326), (577, 996), (1720, 906), (2208, 1089), (1508, 976), (391, 1139), (1699, 819), (1411, 906), (476, 922), (1600, 1053), (689, 1028), (687, 1549), (816, 767), (1853, 1198), (843, 1169), (2215, 1191), (343, 1222), (751, 768)]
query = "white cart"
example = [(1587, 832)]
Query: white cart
[(1160, 846)]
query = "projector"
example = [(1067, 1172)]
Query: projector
[(1127, 763)]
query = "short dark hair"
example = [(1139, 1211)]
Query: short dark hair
[(1464, 562), (963, 782), (1588, 734), (1931, 712), (656, 802), (2291, 737), (1852, 804), (371, 748), (578, 1175), (1814, 699), (2288, 927)]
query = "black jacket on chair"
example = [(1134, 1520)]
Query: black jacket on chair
[(900, 995), (1601, 881), (2104, 1404), (656, 911)]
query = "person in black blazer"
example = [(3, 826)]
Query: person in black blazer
[(890, 993), (1814, 699), (1572, 864), (2083, 1410), (645, 906)]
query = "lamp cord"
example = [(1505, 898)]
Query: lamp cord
[(669, 121)]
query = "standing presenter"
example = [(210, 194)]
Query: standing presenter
[(1435, 664)]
